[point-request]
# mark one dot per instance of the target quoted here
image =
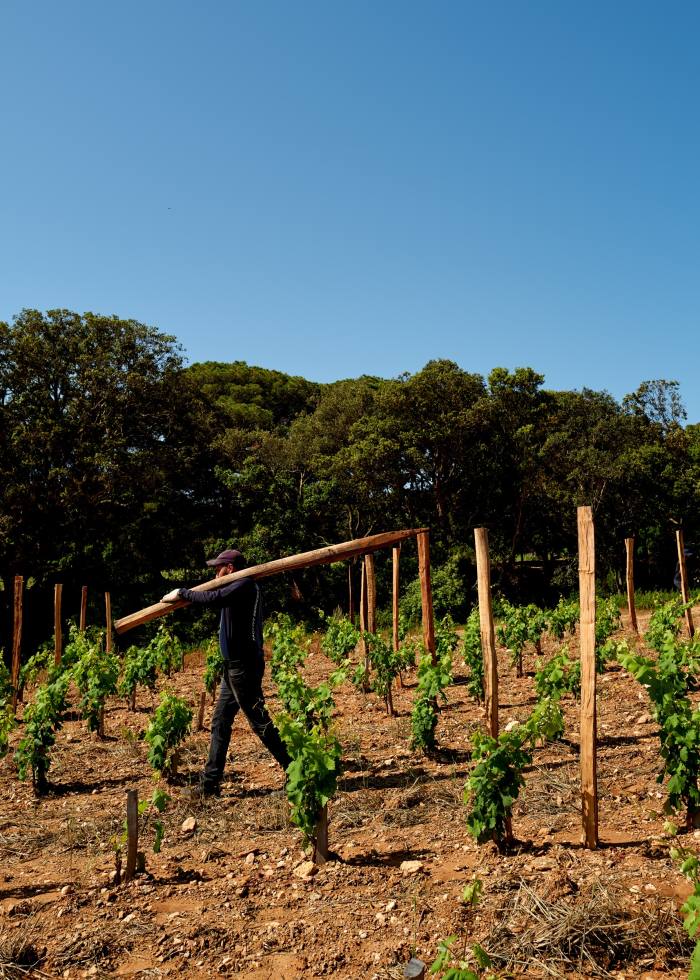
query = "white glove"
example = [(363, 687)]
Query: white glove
[(171, 596)]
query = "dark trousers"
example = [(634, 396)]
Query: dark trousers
[(241, 689)]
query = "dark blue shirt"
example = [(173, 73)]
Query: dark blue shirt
[(240, 626)]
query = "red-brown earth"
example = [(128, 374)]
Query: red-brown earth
[(228, 897)]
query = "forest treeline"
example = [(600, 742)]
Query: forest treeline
[(122, 468)]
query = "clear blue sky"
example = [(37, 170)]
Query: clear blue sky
[(333, 188)]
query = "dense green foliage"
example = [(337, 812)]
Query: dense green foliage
[(110, 447), (305, 727), (519, 626), (668, 680), (42, 719), (95, 675), (340, 639)]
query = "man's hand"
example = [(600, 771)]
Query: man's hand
[(171, 596)]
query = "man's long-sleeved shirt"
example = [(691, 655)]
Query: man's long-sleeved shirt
[(240, 626)]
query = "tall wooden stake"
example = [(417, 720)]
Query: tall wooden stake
[(371, 581), (16, 638), (83, 608), (395, 555), (364, 653), (200, 714), (132, 832), (426, 593), (108, 618), (351, 595), (589, 786), (57, 632), (488, 638), (684, 582), (629, 548)]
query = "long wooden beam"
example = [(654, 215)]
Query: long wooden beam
[(321, 556)]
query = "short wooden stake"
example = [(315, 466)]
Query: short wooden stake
[(371, 580), (200, 715), (132, 832), (488, 638), (83, 608), (57, 632), (321, 837), (629, 548), (684, 582), (589, 787), (395, 555), (426, 593), (16, 638), (108, 619)]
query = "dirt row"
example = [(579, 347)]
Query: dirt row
[(231, 896)]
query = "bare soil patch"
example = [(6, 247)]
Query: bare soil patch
[(225, 900)]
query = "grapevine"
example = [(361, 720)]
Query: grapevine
[(473, 656), (171, 723)]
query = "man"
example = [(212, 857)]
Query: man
[(241, 644)]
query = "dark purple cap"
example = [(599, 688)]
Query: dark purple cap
[(229, 557)]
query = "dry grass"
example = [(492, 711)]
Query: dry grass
[(590, 933)]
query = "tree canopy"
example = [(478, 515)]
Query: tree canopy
[(122, 468)]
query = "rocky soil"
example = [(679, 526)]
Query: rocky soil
[(232, 892)]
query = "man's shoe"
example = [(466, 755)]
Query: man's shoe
[(200, 792)]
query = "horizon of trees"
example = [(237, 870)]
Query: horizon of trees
[(123, 469)]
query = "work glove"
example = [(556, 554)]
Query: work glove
[(171, 596)]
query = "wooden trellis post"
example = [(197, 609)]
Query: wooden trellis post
[(108, 619), (629, 548), (684, 582), (16, 637), (426, 594), (83, 608), (395, 555), (200, 713), (589, 785), (351, 595), (488, 638), (57, 631), (364, 654), (371, 583)]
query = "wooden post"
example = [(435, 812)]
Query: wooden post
[(132, 832), (83, 608), (321, 837), (589, 787), (684, 582), (202, 705), (426, 593), (364, 653), (16, 638), (57, 633), (321, 556), (629, 548), (395, 555), (108, 618), (488, 637), (371, 581), (351, 595)]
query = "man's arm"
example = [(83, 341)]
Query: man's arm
[(209, 597)]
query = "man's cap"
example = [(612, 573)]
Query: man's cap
[(229, 557)]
